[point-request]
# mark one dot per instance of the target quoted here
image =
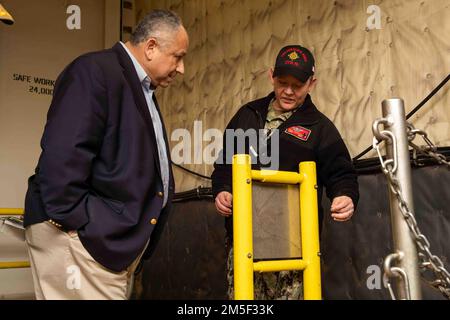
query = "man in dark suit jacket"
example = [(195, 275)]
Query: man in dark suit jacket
[(103, 184)]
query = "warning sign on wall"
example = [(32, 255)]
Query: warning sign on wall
[(46, 36)]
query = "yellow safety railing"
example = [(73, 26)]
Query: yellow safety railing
[(13, 264), (244, 266), (11, 211)]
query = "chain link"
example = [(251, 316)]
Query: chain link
[(390, 272), (389, 166), (429, 150)]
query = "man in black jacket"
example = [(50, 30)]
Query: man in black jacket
[(303, 134)]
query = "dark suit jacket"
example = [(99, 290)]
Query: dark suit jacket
[(99, 172)]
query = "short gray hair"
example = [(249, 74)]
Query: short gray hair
[(157, 24)]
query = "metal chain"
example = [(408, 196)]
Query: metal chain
[(428, 260), (391, 272), (429, 149)]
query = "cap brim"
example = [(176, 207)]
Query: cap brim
[(6, 21), (292, 71)]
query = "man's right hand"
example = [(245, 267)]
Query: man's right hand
[(224, 203)]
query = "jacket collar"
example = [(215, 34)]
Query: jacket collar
[(136, 87), (305, 114), (133, 79)]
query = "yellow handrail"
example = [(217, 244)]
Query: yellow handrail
[(277, 176), (244, 267), (11, 211), (242, 228), (309, 217), (12, 264), (281, 265)]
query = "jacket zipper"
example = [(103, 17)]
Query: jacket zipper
[(261, 120)]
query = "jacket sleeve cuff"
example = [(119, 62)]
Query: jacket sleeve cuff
[(349, 193), (73, 220), (217, 190)]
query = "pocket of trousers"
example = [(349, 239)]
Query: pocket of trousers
[(70, 233)]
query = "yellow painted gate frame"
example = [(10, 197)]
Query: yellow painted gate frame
[(244, 267)]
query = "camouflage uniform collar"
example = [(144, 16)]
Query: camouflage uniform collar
[(272, 114)]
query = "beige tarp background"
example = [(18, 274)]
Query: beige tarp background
[(234, 43)]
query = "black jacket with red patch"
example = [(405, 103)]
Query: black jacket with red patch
[(308, 135)]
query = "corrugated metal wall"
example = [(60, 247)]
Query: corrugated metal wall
[(234, 43)]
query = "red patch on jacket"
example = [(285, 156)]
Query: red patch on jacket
[(299, 132)]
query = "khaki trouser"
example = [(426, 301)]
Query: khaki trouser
[(63, 269)]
